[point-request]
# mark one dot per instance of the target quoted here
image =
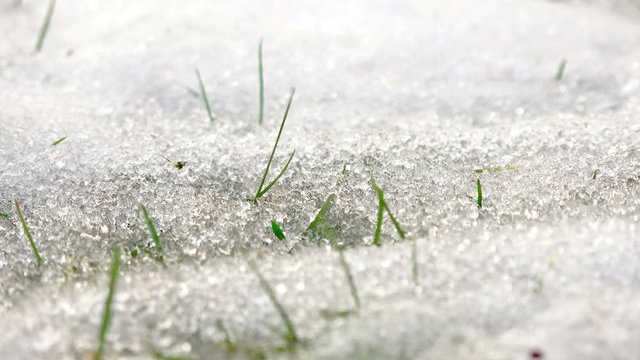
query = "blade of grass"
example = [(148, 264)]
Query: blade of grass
[(382, 206), (347, 272), (107, 315), (152, 229), (261, 74), (595, 174), (275, 180), (58, 141), (322, 214), (277, 231), (479, 187), (260, 190), (561, 67), (414, 262), (203, 94), (290, 335), (495, 169), (25, 227), (45, 26)]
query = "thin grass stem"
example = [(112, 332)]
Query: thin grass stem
[(203, 94), (107, 314), (44, 30), (25, 227)]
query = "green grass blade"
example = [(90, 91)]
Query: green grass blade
[(25, 227), (495, 169), (395, 222), (107, 315), (45, 26), (58, 141), (561, 67), (152, 229), (322, 214), (347, 272), (376, 235), (275, 146), (277, 231), (594, 175), (286, 166), (479, 187), (382, 206), (203, 94), (291, 336), (261, 74)]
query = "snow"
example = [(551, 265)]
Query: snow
[(417, 94)]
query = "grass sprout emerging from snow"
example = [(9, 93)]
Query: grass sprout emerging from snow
[(152, 230), (58, 141), (25, 227), (107, 315), (495, 169), (44, 30), (561, 67), (263, 189), (277, 231), (290, 335), (382, 207), (479, 188), (319, 226), (203, 95)]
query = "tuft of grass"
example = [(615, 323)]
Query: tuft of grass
[(347, 272), (261, 75), (58, 141), (25, 227), (495, 169), (152, 230), (319, 225), (382, 207), (4, 215), (178, 164), (479, 188), (290, 335), (203, 95), (561, 68), (45, 26), (595, 174), (107, 315), (263, 189), (277, 231)]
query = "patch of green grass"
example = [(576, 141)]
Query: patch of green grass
[(261, 75), (349, 276), (319, 225), (277, 231), (152, 230), (107, 315), (479, 188), (561, 68), (203, 95), (382, 207), (58, 141), (4, 215), (496, 169), (290, 335), (25, 227), (263, 189), (44, 30)]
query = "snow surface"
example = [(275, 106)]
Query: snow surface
[(416, 93)]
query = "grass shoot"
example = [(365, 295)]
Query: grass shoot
[(495, 169), (319, 225), (25, 227), (290, 335), (595, 174), (152, 230), (45, 26), (203, 95), (4, 215), (178, 164), (58, 141), (347, 272), (479, 188), (277, 231), (107, 315), (560, 71), (382, 207), (263, 189), (261, 75)]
